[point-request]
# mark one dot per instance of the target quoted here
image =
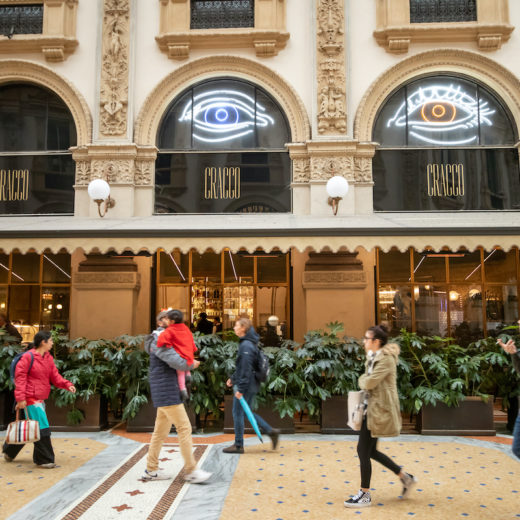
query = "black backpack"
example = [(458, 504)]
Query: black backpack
[(262, 366), (15, 360)]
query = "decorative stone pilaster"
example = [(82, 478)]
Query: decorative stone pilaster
[(331, 76), (113, 115)]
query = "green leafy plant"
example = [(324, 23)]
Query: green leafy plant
[(8, 350)]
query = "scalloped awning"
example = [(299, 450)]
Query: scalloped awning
[(267, 232)]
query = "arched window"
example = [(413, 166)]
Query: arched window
[(446, 143), (222, 149), (36, 166)]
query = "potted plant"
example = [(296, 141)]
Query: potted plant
[(332, 366), (444, 383)]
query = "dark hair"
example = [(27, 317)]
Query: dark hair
[(42, 335), (176, 316), (380, 332), (203, 315)]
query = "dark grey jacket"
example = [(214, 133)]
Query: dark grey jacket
[(515, 358), (164, 363), (244, 376)]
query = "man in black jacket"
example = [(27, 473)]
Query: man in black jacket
[(166, 397), (245, 386)]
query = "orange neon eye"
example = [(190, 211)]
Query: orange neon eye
[(438, 112)]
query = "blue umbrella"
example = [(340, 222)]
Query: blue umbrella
[(251, 417)]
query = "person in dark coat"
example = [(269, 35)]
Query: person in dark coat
[(166, 397), (204, 325), (9, 328), (245, 386)]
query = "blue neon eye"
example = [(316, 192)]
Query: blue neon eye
[(224, 115)]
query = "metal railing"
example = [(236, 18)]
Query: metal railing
[(220, 14), (429, 11)]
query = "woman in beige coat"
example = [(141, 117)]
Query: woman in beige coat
[(383, 415)]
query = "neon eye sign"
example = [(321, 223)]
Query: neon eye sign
[(223, 115), (439, 114)]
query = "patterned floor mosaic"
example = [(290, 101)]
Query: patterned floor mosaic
[(310, 480), (21, 481), (123, 491)]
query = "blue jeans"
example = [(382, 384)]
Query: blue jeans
[(239, 415), (516, 437)]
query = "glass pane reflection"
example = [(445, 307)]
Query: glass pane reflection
[(466, 313), (501, 307), (395, 307), (431, 310)]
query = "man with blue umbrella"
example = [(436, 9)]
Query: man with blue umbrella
[(245, 385)]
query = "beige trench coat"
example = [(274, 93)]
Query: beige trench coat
[(383, 413)]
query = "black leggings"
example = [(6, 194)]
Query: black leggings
[(367, 449), (42, 453)]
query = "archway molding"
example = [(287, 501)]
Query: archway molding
[(12, 71), (505, 84), (173, 84)]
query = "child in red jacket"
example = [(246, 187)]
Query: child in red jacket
[(178, 336)]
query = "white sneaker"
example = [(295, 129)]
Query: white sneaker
[(197, 476), (362, 499), (154, 475), (409, 481)]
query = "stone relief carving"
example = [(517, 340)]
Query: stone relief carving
[(363, 169), (332, 117), (114, 172), (333, 279), (143, 173), (114, 72), (301, 170), (323, 168), (82, 173), (105, 278)]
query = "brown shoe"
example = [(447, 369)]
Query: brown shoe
[(234, 449), (275, 434)]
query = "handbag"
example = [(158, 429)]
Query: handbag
[(22, 431), (356, 409)]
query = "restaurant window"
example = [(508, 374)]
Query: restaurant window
[(227, 286), (221, 14), (434, 11), (36, 166), (445, 143), (35, 291), (463, 294), (222, 150)]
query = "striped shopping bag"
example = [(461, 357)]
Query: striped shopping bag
[(20, 432)]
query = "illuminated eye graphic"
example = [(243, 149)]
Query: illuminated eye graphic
[(223, 115), (442, 115)]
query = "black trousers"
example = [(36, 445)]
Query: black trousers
[(367, 449), (42, 453)]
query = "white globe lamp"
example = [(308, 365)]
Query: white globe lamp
[(99, 192), (337, 188)]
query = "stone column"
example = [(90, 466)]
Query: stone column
[(335, 287), (104, 302)]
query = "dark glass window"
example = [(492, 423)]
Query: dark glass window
[(446, 143), (221, 14), (430, 11), (21, 19), (222, 149), (36, 166)]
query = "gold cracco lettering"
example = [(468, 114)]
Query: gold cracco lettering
[(14, 185), (445, 180), (221, 183)]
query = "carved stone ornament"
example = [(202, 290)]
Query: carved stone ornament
[(332, 116), (363, 169), (333, 279), (301, 170), (143, 173), (82, 173), (114, 71), (114, 172), (323, 168)]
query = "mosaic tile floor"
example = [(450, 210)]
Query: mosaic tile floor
[(308, 477)]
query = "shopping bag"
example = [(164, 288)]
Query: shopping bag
[(22, 431), (356, 409)]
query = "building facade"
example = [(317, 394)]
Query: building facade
[(218, 123)]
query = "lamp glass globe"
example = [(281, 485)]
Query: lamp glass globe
[(337, 186), (98, 189)]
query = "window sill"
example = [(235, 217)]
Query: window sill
[(489, 37), (54, 48), (267, 43)]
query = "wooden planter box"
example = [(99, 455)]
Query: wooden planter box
[(334, 412), (6, 408), (95, 411), (144, 421), (472, 417), (285, 425)]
